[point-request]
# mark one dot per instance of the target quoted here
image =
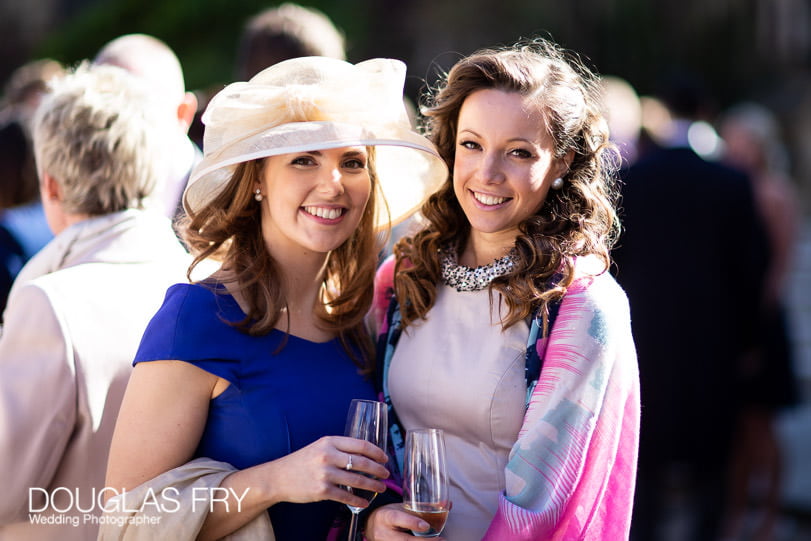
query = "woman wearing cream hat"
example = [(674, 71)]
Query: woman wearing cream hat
[(255, 366)]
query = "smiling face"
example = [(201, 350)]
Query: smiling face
[(503, 167), (314, 201)]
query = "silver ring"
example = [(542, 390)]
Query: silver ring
[(348, 464)]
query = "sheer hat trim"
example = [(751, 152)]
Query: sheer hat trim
[(317, 103)]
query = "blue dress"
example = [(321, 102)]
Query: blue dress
[(279, 400)]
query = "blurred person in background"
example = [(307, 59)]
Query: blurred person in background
[(692, 258), (284, 32), (25, 90), (656, 124), (623, 111), (151, 60), (752, 143), (23, 227), (78, 308)]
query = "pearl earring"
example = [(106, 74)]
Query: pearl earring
[(557, 184), (258, 195)]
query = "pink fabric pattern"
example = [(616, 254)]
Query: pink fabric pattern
[(384, 281), (572, 472)]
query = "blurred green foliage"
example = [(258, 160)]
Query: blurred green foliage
[(203, 33), (639, 40)]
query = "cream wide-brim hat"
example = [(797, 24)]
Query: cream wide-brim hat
[(318, 103)]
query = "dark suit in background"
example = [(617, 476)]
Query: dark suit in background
[(692, 259)]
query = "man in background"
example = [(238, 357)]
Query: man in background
[(692, 259), (77, 310), (285, 32), (152, 61)]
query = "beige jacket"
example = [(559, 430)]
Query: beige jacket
[(174, 506), (74, 320)]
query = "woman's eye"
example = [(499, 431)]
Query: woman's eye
[(355, 164), (521, 153), (470, 145), (303, 160)]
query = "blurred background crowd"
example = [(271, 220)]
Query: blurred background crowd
[(745, 64)]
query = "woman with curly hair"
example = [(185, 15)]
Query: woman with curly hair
[(499, 320)]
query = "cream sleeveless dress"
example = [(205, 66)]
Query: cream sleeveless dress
[(459, 372)]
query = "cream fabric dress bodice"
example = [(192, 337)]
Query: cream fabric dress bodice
[(460, 372)]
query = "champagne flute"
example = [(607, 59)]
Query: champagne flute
[(425, 479), (366, 420)]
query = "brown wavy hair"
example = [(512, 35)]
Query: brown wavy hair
[(228, 229), (577, 220)]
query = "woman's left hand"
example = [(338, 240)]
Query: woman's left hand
[(392, 523)]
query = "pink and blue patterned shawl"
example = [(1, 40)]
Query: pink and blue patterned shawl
[(572, 471)]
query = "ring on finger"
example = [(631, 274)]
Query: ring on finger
[(348, 466)]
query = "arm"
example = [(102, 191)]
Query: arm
[(159, 428), (37, 398), (571, 473), (311, 474)]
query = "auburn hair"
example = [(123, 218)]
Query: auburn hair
[(577, 220)]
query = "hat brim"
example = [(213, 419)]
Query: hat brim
[(407, 165)]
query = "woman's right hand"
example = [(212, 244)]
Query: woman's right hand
[(311, 474), (318, 472), (392, 523)]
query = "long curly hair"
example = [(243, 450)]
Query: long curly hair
[(577, 220), (229, 230)]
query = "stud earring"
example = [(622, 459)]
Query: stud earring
[(557, 184), (258, 195)]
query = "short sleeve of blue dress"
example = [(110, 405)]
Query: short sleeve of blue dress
[(280, 398)]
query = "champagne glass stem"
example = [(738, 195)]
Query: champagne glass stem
[(353, 527)]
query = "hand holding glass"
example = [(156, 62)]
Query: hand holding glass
[(425, 479), (366, 420)]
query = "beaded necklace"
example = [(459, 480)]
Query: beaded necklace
[(467, 279)]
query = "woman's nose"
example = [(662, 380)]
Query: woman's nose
[(332, 182), (490, 169)]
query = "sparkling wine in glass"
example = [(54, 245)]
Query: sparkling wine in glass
[(425, 479), (366, 420)]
